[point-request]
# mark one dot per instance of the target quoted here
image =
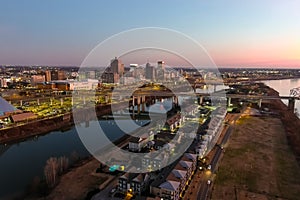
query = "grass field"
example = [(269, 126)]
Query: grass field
[(258, 163)]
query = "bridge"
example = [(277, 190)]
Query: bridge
[(295, 92), (139, 96)]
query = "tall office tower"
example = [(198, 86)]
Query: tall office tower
[(161, 65), (54, 75), (58, 75), (61, 75), (133, 70), (47, 75), (133, 67), (117, 66), (160, 73), (150, 72)]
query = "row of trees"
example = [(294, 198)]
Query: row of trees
[(54, 167)]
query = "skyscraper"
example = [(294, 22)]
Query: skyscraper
[(116, 70), (117, 66), (160, 72), (150, 72), (47, 75), (161, 65), (58, 75)]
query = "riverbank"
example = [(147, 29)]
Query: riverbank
[(35, 128), (63, 122), (260, 79), (275, 78), (258, 162), (76, 183), (262, 158), (290, 122), (262, 132)]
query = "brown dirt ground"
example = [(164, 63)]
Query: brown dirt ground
[(258, 163), (75, 184)]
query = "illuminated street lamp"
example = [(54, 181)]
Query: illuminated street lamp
[(129, 194)]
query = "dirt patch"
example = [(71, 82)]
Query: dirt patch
[(258, 163), (75, 184)]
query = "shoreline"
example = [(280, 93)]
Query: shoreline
[(274, 79), (63, 122), (42, 127), (290, 122)]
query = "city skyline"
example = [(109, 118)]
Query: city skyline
[(235, 34)]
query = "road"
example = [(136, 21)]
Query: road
[(204, 187), (105, 193)]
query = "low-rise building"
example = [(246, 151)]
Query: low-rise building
[(169, 190), (137, 143), (136, 182)]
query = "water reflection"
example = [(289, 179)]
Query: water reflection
[(21, 162), (284, 87)]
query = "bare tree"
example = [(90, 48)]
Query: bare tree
[(63, 164), (51, 171)]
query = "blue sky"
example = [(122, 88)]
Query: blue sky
[(235, 33)]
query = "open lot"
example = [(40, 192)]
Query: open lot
[(78, 182), (258, 163)]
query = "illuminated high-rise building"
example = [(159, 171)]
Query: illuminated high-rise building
[(160, 72), (150, 72), (117, 66), (47, 75)]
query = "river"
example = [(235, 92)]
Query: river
[(21, 162), (283, 87)]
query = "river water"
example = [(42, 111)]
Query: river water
[(21, 162), (284, 87)]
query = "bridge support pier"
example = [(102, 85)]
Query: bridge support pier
[(133, 106), (259, 103), (201, 100), (229, 101), (291, 104), (138, 104), (215, 87), (175, 101), (143, 103)]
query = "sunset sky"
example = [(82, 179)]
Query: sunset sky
[(253, 33)]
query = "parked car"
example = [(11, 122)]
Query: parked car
[(209, 167)]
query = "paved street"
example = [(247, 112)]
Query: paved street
[(199, 189)]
